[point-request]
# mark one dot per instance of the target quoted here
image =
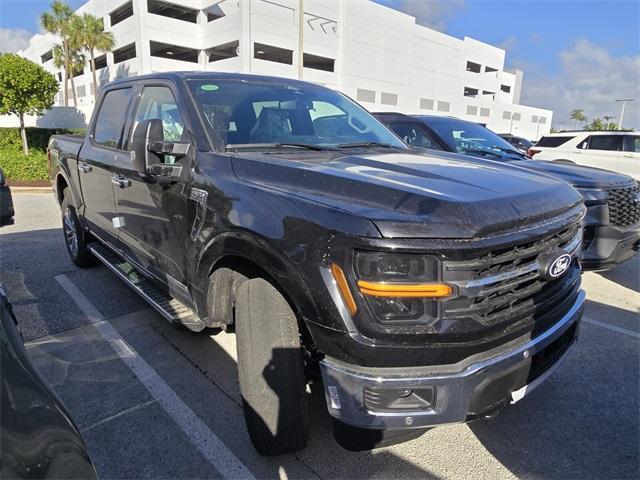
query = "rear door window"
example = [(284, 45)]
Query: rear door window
[(552, 142), (111, 118), (632, 143), (605, 142)]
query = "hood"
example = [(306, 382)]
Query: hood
[(408, 195), (577, 175)]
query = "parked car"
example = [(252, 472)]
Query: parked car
[(522, 144), (612, 224), (424, 289), (6, 201), (613, 150), (38, 438)]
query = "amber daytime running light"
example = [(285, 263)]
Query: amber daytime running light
[(412, 290)]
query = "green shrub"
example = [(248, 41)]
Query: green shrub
[(37, 138), (33, 167), (27, 169)]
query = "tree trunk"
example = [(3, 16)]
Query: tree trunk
[(95, 81), (23, 134), (65, 56), (73, 90)]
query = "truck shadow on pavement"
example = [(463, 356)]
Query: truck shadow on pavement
[(323, 456), (583, 421)]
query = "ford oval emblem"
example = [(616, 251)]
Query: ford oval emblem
[(559, 266)]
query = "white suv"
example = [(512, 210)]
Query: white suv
[(611, 150)]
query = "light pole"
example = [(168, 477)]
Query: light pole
[(300, 39), (624, 103)]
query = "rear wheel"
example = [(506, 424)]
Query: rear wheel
[(270, 369), (74, 237)]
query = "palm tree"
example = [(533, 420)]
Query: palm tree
[(58, 22), (89, 34), (608, 118), (578, 115), (72, 63)]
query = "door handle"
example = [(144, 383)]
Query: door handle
[(84, 167), (628, 155), (120, 181)]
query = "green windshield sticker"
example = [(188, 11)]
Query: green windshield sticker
[(209, 87)]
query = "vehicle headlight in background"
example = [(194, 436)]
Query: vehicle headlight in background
[(593, 196)]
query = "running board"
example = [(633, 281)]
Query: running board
[(170, 308)]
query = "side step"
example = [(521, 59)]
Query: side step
[(170, 308)]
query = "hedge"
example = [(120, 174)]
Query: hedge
[(15, 164)]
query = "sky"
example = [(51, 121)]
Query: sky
[(574, 53)]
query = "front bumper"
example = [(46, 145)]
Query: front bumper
[(478, 388), (607, 246)]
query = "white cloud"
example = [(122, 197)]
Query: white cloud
[(14, 39), (508, 43), (430, 13), (591, 78)]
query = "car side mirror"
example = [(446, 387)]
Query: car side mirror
[(149, 148)]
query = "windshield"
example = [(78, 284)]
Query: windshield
[(472, 139), (249, 114)]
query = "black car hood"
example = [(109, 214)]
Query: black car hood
[(414, 196), (577, 175)]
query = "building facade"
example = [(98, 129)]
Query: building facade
[(374, 54)]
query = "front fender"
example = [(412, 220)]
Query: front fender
[(251, 248)]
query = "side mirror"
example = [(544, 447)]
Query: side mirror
[(149, 149), (147, 131)]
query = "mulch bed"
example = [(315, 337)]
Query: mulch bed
[(36, 183)]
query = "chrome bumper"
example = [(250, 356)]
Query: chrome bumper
[(345, 385)]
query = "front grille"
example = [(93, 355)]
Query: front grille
[(506, 285), (624, 206)]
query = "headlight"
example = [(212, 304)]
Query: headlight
[(400, 288), (593, 196)]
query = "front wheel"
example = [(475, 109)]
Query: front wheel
[(270, 369), (74, 237)]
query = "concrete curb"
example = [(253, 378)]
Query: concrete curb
[(20, 190)]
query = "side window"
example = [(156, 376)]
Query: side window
[(413, 135), (159, 103), (605, 142), (632, 143), (111, 118)]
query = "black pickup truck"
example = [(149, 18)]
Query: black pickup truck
[(416, 289), (612, 224)]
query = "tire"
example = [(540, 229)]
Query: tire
[(75, 239), (270, 369)]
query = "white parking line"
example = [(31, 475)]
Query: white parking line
[(621, 330), (207, 442)]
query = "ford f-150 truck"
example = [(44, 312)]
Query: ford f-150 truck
[(612, 224), (415, 289)]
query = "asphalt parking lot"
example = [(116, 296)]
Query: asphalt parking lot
[(155, 401)]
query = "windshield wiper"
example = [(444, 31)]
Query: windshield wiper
[(245, 146), (366, 144), (507, 150), (481, 152)]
